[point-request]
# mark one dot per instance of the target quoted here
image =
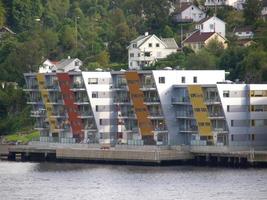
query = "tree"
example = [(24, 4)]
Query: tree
[(215, 47), (201, 60), (2, 14), (24, 14), (103, 58), (254, 64), (252, 11)]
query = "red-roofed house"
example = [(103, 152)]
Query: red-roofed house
[(197, 40)]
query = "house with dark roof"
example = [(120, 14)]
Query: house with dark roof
[(212, 24), (147, 49), (198, 40), (188, 12), (245, 32)]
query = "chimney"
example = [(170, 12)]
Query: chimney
[(146, 33)]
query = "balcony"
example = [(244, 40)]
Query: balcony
[(211, 101), (189, 129), (151, 100), (52, 87), (85, 114), (216, 115), (34, 87), (181, 100), (145, 86), (77, 86), (185, 114), (59, 114), (122, 100), (38, 113), (119, 86)]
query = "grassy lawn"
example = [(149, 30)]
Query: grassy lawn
[(22, 138)]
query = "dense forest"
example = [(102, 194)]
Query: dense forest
[(98, 32)]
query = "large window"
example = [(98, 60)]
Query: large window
[(183, 79), (162, 79), (92, 80)]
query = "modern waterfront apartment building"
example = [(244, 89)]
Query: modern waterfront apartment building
[(161, 107)]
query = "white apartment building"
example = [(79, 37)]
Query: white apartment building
[(147, 49), (212, 24)]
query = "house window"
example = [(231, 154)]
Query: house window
[(96, 108), (134, 45), (131, 64), (162, 79), (228, 108), (77, 63), (131, 55), (92, 80), (138, 54), (183, 79), (226, 93), (100, 122), (195, 79), (150, 44), (211, 26), (147, 54), (94, 95), (157, 44)]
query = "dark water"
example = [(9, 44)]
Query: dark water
[(97, 182)]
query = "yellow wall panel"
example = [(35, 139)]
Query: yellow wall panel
[(45, 96), (140, 108), (200, 110)]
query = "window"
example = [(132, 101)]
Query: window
[(183, 79), (134, 45), (77, 63), (150, 44), (94, 95), (161, 79), (131, 55), (211, 26), (92, 80), (96, 108), (226, 93), (147, 54), (228, 108), (138, 54), (195, 79), (100, 122), (157, 44)]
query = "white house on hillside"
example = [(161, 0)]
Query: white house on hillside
[(244, 32), (238, 4), (212, 24), (64, 65), (146, 49), (188, 13)]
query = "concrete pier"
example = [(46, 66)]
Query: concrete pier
[(198, 155)]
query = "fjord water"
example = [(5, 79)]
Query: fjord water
[(64, 181)]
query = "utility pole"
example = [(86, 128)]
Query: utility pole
[(76, 32)]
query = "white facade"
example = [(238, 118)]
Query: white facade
[(145, 50), (98, 86), (238, 4), (244, 34), (212, 24), (194, 13), (46, 67)]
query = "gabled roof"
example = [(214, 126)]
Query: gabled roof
[(170, 43), (4, 28), (198, 37), (65, 62), (208, 18), (184, 6)]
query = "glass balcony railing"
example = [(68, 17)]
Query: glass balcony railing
[(182, 114), (188, 129), (180, 100)]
